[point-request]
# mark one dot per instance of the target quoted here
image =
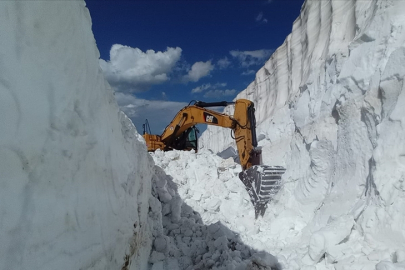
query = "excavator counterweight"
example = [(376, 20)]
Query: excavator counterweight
[(262, 182)]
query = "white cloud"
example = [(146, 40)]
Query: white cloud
[(219, 93), (223, 63), (206, 86), (198, 71), (249, 58), (158, 112), (248, 72), (132, 70), (260, 18), (201, 88)]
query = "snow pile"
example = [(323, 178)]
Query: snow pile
[(330, 108), (74, 173), (203, 219), (202, 214)]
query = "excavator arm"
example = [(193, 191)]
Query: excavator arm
[(242, 123), (261, 182)]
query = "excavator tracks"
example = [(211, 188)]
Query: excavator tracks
[(262, 183)]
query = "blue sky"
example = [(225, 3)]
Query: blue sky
[(160, 55)]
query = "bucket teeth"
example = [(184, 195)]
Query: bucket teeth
[(262, 183)]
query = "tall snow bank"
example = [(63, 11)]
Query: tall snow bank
[(74, 173), (330, 108)]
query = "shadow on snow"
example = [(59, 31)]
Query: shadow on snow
[(185, 242)]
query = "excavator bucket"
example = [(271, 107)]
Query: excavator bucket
[(262, 183)]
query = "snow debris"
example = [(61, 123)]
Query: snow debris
[(190, 239)]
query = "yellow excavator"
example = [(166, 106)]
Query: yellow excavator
[(261, 182)]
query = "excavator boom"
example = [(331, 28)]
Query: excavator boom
[(261, 182)]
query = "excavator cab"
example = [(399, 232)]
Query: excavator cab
[(192, 138), (262, 182), (187, 140)]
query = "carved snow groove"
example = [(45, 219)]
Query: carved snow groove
[(371, 188), (315, 185), (371, 121)]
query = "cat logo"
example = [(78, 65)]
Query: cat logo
[(209, 118)]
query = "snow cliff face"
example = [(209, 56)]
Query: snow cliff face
[(330, 108), (74, 173)]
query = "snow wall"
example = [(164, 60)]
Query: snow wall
[(330, 107), (74, 173)]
